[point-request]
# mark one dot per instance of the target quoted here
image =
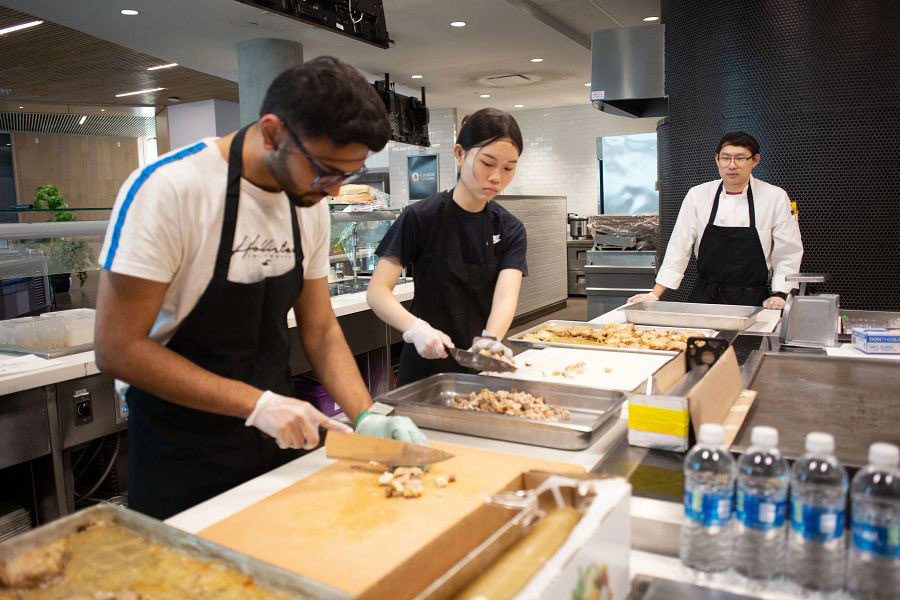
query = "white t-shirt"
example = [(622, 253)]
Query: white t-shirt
[(167, 223)]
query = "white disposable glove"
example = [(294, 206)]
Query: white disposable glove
[(648, 297), (293, 423), (488, 342), (429, 342), (775, 302)]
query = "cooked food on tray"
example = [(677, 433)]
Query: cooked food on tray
[(107, 561), (513, 403), (615, 335)]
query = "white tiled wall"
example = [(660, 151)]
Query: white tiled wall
[(442, 135), (560, 155)]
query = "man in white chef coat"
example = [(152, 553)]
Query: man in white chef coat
[(740, 229)]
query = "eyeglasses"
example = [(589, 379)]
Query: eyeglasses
[(724, 160), (324, 177)]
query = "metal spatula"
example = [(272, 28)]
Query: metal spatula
[(479, 362)]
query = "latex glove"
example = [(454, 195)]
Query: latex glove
[(293, 423), (391, 428), (488, 342), (775, 302), (429, 342), (648, 297)]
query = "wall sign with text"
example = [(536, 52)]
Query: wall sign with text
[(422, 175)]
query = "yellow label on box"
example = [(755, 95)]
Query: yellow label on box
[(659, 420)]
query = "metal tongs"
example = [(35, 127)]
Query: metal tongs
[(479, 362)]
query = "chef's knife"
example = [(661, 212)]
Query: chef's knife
[(478, 361), (352, 446)]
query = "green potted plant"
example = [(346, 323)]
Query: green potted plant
[(71, 254)]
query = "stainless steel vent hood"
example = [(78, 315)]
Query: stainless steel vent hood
[(628, 71)]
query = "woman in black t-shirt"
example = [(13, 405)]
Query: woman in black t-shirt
[(467, 255)]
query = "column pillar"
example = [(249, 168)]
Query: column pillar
[(260, 61)]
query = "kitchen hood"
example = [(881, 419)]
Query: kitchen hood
[(628, 71)]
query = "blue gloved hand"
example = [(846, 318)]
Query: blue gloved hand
[(391, 428)]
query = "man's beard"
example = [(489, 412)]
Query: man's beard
[(280, 172)]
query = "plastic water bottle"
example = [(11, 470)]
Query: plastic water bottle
[(818, 504), (709, 473), (761, 504), (874, 566)]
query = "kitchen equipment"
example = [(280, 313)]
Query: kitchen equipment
[(622, 242), (337, 525), (350, 446), (478, 361), (602, 370), (727, 317), (276, 578), (427, 403), (810, 321), (578, 226), (576, 257), (614, 275), (806, 278), (855, 399), (519, 338)]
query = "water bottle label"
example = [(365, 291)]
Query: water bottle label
[(883, 541), (817, 523), (760, 512), (708, 509)]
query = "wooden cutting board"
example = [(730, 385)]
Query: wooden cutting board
[(337, 525)]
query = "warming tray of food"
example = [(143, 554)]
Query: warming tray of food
[(602, 334), (429, 402), (728, 317), (110, 551)]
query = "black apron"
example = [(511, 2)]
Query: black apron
[(179, 456), (452, 296), (731, 262)]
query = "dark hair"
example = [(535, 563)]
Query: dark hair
[(327, 98), (739, 138), (486, 126)]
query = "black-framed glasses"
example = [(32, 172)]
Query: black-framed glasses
[(724, 160), (324, 177)]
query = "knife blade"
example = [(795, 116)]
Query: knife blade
[(478, 361), (352, 446)]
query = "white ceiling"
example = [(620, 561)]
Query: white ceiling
[(501, 37)]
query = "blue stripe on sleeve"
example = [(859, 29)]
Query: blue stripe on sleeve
[(133, 190)]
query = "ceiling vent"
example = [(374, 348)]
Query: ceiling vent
[(509, 80), (105, 125)]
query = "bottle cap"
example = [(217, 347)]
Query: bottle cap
[(764, 437), (819, 443), (712, 434), (884, 455)]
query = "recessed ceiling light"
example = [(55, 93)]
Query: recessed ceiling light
[(435, 145), (19, 27), (158, 67), (520, 106), (588, 84), (458, 24), (651, 18), (129, 12), (485, 95), (537, 60), (135, 93), (102, 110), (82, 119), (21, 107), (174, 98), (416, 76)]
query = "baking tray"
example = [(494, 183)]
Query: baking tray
[(517, 339), (276, 578), (47, 352), (426, 402), (729, 317)]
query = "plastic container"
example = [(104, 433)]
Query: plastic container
[(761, 505), (32, 333), (709, 476), (77, 323), (316, 395), (816, 548), (873, 567)]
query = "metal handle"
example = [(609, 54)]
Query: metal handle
[(600, 289), (807, 277)]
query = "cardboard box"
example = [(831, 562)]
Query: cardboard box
[(877, 340), (663, 422), (593, 562)]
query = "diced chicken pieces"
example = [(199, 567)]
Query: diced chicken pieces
[(512, 403)]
